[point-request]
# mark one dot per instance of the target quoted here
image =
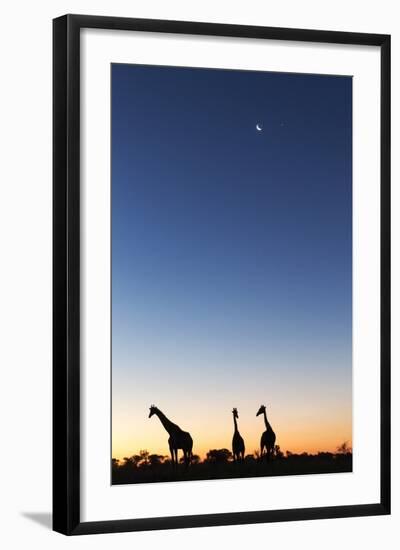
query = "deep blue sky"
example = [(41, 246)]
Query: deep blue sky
[(231, 248)]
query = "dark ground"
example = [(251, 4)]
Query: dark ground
[(145, 472)]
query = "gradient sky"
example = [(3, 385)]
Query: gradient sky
[(231, 257)]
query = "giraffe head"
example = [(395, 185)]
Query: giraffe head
[(261, 410), (153, 410), (235, 413)]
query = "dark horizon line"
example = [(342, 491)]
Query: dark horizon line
[(255, 454)]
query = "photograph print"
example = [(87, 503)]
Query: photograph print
[(231, 273)]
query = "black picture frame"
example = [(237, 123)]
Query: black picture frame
[(66, 273)]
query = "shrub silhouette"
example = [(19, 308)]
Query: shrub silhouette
[(277, 452), (144, 457), (148, 467), (131, 461), (344, 448), (156, 460), (218, 456)]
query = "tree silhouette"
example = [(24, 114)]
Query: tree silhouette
[(218, 463), (194, 460), (131, 461), (218, 456), (344, 449), (144, 457), (155, 460), (277, 451)]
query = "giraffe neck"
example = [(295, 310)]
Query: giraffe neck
[(267, 424), (235, 423), (168, 425)]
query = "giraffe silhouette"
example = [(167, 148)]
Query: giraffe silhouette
[(268, 437), (237, 440), (178, 439)]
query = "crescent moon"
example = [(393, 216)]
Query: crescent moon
[(259, 127)]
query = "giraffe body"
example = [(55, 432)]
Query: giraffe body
[(238, 447), (268, 438), (178, 439)]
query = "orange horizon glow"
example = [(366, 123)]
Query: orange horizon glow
[(309, 432), (308, 413)]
